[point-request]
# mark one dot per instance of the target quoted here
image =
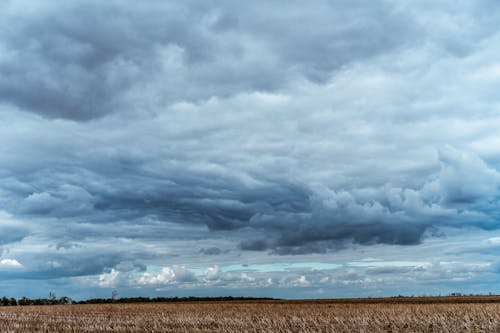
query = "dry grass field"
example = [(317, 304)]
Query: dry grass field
[(478, 315)]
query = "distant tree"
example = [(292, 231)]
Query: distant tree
[(24, 301), (65, 300)]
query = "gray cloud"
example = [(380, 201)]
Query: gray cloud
[(254, 245), (83, 60), (211, 251), (285, 218), (12, 234)]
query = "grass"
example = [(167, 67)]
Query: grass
[(386, 315)]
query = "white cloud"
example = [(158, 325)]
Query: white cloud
[(301, 281), (167, 275), (212, 273), (107, 280), (10, 263)]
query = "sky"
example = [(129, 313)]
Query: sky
[(276, 148)]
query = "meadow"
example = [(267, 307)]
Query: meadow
[(372, 315)]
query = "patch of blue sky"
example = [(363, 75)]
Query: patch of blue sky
[(381, 263), (281, 267)]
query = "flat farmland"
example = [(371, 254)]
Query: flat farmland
[(461, 314)]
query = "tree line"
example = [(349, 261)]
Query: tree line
[(52, 300), (4, 301)]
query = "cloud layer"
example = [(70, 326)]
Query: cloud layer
[(153, 141)]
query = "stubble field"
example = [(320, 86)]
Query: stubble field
[(259, 316)]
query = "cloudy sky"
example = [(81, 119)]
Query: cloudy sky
[(257, 148)]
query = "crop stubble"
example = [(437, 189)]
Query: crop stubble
[(271, 316)]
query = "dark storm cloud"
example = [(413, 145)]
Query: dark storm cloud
[(317, 237), (221, 204), (279, 216), (288, 216), (83, 60)]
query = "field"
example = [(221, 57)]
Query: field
[(461, 314)]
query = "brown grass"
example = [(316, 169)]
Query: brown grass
[(272, 316)]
